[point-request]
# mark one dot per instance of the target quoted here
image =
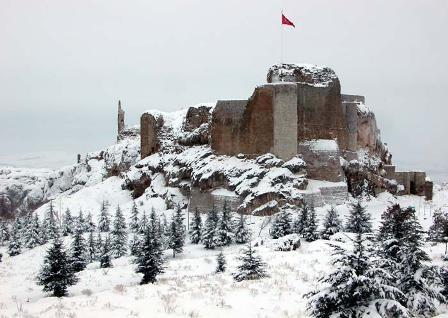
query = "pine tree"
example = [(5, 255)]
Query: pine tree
[(281, 225), (134, 222), (359, 219), (438, 231), (56, 273), (150, 257), (177, 232), (91, 248), (50, 229), (224, 229), (67, 223), (332, 224), (32, 236), (105, 258), (196, 227), (143, 226), (242, 232), (209, 236), (310, 229), (15, 245), (4, 233), (358, 287), (89, 224), (80, 222), (104, 218), (78, 251), (119, 235), (164, 232), (301, 221), (220, 263), (98, 245), (251, 267), (134, 245), (400, 238)]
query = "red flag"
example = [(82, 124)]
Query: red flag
[(286, 21)]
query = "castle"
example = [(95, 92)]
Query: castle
[(299, 111)]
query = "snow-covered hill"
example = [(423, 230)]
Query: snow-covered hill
[(189, 287)]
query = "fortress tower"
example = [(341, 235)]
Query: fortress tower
[(120, 120)]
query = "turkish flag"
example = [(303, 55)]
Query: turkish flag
[(286, 21)]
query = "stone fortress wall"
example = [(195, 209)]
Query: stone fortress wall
[(300, 111)]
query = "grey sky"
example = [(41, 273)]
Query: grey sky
[(64, 64)]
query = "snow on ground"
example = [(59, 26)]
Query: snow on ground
[(189, 287)]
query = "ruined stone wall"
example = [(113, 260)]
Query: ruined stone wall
[(204, 200), (267, 122), (413, 181), (320, 114), (322, 159), (226, 126), (350, 110), (285, 121), (148, 133)]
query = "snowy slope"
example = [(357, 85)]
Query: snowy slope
[(189, 287)]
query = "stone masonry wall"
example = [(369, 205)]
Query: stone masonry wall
[(320, 114), (148, 133), (285, 121), (265, 123)]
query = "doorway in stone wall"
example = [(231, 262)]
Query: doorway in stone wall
[(412, 188)]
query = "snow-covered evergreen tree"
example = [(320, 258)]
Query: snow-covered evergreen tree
[(209, 236), (15, 244), (89, 224), (134, 244), (4, 233), (143, 226), (80, 222), (220, 263), (56, 273), (119, 236), (359, 219), (106, 257), (358, 287), (91, 248), (438, 231), (49, 228), (196, 227), (400, 237), (332, 224), (33, 233), (301, 221), (78, 251), (224, 229), (251, 267), (134, 221), (242, 232), (281, 225), (177, 232), (67, 223), (310, 227), (150, 257), (98, 245), (164, 231), (104, 218)]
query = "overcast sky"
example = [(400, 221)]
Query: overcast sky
[(64, 64)]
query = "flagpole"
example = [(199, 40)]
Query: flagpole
[(281, 41)]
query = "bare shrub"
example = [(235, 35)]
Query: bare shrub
[(168, 302), (87, 292), (120, 289)]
